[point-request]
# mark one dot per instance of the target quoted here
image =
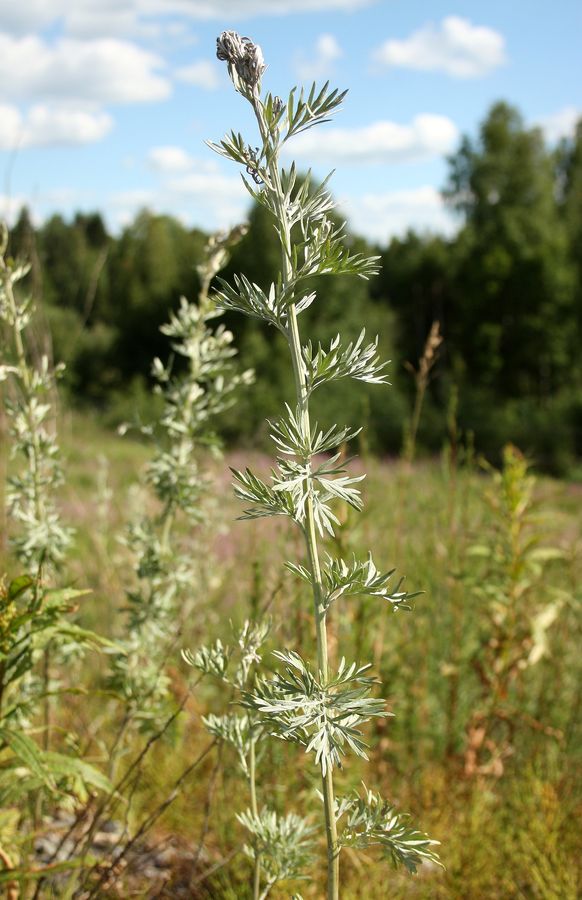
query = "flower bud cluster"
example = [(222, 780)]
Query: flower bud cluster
[(245, 60)]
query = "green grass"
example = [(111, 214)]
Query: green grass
[(515, 834)]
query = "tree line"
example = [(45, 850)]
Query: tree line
[(506, 291)]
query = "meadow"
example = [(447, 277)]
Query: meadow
[(190, 704), (507, 814)]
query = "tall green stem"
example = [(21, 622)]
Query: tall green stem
[(302, 395), (320, 619), (255, 812)]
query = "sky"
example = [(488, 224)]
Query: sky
[(106, 104)]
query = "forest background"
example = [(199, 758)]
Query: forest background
[(506, 290)]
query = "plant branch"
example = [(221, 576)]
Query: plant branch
[(302, 395)]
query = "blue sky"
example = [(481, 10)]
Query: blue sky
[(105, 104)]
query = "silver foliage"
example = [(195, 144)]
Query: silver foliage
[(323, 715), (169, 571), (283, 843), (321, 711), (370, 820), (41, 539)]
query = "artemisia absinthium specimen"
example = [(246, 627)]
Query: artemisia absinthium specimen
[(311, 704)]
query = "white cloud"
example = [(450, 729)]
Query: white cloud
[(10, 207), (561, 124), (382, 142), (103, 18), (44, 126), (106, 17), (21, 17), (170, 159), (209, 187), (204, 74), (220, 9), (10, 127), (455, 46), (381, 216), (196, 190), (319, 63), (82, 18), (99, 71)]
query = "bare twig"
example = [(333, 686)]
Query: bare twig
[(215, 868), (147, 823), (208, 803), (12, 889)]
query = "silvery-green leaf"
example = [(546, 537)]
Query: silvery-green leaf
[(210, 660), (283, 843), (363, 579), (370, 820), (324, 715), (358, 360), (264, 500)]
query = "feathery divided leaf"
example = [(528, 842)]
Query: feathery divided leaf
[(250, 639), (323, 716), (233, 147), (300, 571), (238, 731), (357, 360), (372, 820), (216, 659), (363, 579), (248, 298), (301, 484), (323, 251), (294, 484), (283, 843), (305, 111), (290, 437), (210, 660), (300, 202), (334, 483), (266, 501)]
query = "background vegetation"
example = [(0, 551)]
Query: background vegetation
[(484, 677), (506, 809), (506, 290)]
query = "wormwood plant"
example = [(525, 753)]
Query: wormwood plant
[(319, 706), (42, 539), (198, 383), (278, 845), (168, 567), (35, 623)]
